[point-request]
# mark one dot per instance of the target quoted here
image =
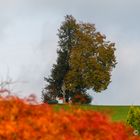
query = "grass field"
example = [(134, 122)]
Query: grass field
[(117, 113)]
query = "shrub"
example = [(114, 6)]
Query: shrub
[(52, 102), (133, 118), (81, 98), (22, 120)]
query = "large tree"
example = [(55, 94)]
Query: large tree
[(91, 61), (85, 61), (67, 36)]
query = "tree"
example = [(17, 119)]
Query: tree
[(91, 61), (66, 35), (85, 60)]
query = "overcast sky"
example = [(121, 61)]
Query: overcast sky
[(28, 42)]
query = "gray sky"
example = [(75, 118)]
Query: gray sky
[(28, 42)]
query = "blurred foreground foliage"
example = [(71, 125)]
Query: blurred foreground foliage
[(133, 118), (25, 119)]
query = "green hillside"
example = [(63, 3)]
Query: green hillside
[(117, 113)]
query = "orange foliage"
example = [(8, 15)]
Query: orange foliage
[(20, 120)]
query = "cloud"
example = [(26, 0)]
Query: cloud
[(28, 41)]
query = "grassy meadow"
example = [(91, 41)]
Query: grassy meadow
[(117, 113)]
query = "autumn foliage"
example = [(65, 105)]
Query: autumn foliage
[(25, 120)]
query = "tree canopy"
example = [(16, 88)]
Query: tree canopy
[(85, 60), (91, 60)]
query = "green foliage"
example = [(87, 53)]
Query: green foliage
[(52, 102), (85, 60), (45, 98), (133, 118), (66, 35)]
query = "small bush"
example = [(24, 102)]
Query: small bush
[(81, 98), (133, 118), (52, 102)]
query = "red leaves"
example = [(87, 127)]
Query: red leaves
[(21, 121)]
